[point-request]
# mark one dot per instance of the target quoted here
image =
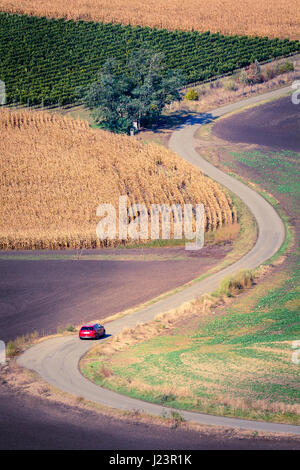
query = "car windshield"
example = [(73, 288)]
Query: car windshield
[(87, 328)]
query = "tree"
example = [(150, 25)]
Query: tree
[(137, 94), (252, 74)]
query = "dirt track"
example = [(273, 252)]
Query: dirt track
[(40, 295)]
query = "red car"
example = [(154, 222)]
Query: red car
[(92, 331)]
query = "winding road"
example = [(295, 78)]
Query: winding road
[(56, 359)]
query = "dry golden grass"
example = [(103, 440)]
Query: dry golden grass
[(55, 171), (226, 90), (279, 18)]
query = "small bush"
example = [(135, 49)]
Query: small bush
[(12, 349), (230, 85), (18, 345), (192, 95), (167, 397), (270, 72), (234, 284), (79, 399), (286, 67), (243, 77), (273, 71), (176, 418), (71, 328), (251, 75)]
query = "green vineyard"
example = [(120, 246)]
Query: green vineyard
[(42, 61)]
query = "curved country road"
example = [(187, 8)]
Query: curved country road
[(56, 359)]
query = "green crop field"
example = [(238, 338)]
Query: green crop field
[(238, 364), (42, 61), (279, 171)]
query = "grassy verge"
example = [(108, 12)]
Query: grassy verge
[(222, 235)]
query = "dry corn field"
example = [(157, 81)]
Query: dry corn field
[(276, 18), (55, 171)]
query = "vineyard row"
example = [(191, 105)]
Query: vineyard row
[(43, 61)]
